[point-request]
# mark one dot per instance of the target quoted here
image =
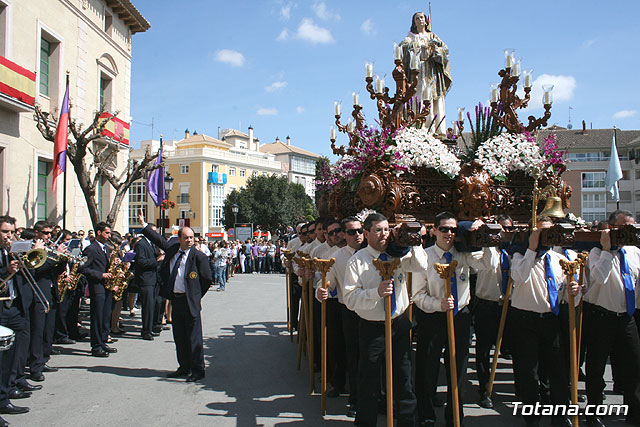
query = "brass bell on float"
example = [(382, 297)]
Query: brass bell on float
[(553, 208)]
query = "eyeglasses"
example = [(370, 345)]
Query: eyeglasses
[(335, 231), (353, 231), (45, 232), (304, 233), (443, 229)]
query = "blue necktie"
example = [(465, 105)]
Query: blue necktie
[(505, 265), (384, 257), (174, 272), (334, 291), (454, 284), (629, 293), (551, 285)]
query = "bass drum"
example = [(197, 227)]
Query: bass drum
[(7, 336)]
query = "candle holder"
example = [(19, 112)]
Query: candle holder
[(504, 110)]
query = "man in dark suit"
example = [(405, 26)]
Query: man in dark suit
[(185, 276), (42, 322), (95, 270), (145, 269)]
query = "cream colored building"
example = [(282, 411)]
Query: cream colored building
[(205, 170), (299, 165), (40, 42)]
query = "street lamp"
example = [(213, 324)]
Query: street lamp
[(234, 209), (168, 186)]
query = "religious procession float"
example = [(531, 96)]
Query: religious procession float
[(411, 166)]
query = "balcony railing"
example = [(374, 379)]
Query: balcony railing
[(183, 198)]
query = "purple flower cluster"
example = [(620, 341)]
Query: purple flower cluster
[(552, 154)]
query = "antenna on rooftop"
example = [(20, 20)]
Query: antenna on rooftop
[(569, 125)]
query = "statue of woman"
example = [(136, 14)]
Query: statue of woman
[(434, 68)]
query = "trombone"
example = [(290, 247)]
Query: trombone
[(33, 259)]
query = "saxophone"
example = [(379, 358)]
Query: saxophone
[(124, 275), (110, 284), (72, 284)]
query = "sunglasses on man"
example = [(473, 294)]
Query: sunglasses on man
[(335, 231), (444, 229), (353, 231)]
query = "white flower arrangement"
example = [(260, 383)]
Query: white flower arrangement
[(578, 220), (505, 153), (418, 148)]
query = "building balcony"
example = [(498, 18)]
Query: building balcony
[(17, 87), (226, 157), (183, 198)]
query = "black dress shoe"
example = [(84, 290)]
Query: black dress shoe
[(147, 337), (3, 422), (110, 349), (37, 376), (25, 386), (485, 401), (351, 412), (155, 334), (64, 340), (11, 409), (17, 394), (194, 377), (595, 422), (156, 329), (179, 373), (99, 353), (48, 368), (55, 352)]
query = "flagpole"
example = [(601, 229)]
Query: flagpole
[(615, 142), (64, 186)]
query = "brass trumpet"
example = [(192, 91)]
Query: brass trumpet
[(35, 258)]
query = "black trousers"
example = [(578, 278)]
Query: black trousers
[(158, 311), (295, 291), (12, 318), (100, 309), (187, 335), (74, 312), (486, 320), (62, 327), (432, 339), (350, 322), (336, 357), (610, 333), (146, 297), (536, 342), (372, 357), (42, 330)]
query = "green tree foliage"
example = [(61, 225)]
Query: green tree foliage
[(269, 201)]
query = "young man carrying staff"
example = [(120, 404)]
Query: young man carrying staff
[(365, 292), (429, 297)]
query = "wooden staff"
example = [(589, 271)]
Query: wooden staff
[(303, 326), (570, 268), (310, 332), (386, 269), (582, 259), (288, 256), (446, 272), (496, 351), (323, 266)]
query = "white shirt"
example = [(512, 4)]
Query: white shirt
[(361, 281), (204, 249), (322, 251), (336, 274), (428, 294), (606, 286), (179, 286), (530, 290), (489, 283)]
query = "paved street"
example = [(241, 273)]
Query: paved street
[(251, 377)]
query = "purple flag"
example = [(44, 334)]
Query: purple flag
[(155, 183)]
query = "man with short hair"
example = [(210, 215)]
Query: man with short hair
[(364, 292), (96, 270), (185, 276)]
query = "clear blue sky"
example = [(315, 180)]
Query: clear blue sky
[(279, 65)]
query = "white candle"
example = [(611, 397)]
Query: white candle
[(337, 104), (355, 98), (461, 114), (546, 99), (397, 51), (369, 69), (515, 70), (455, 127), (527, 78), (379, 85), (494, 94), (350, 126), (415, 63), (508, 58), (333, 133)]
